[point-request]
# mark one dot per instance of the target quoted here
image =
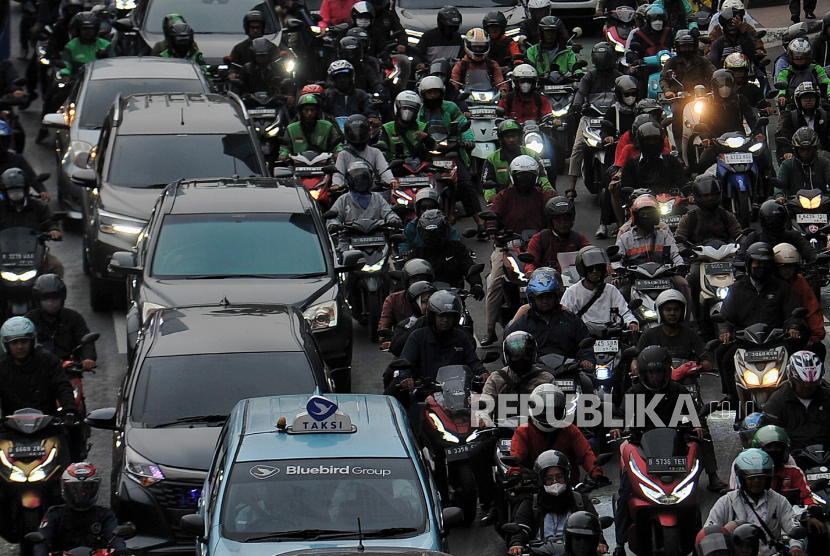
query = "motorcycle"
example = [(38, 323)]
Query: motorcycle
[(814, 461), (559, 88), (654, 66), (412, 174), (483, 105), (314, 170), (78, 436), (716, 276), (609, 375), (125, 531), (268, 118), (9, 115), (672, 206), (810, 207), (649, 281), (594, 150), (618, 27), (536, 138), (445, 160)]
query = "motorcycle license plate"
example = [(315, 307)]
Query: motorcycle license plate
[(738, 158), (596, 122), (759, 356), (811, 218), (606, 346), (545, 162), (262, 112), (554, 89), (655, 284), (483, 112), (674, 463), (448, 164), (566, 385), (671, 219), (308, 171), (817, 476), (368, 241), (458, 452), (505, 443), (717, 268), (414, 181), (17, 258), (31, 451)]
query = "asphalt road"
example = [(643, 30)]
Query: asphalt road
[(369, 361)]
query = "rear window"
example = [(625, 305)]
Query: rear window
[(208, 16)]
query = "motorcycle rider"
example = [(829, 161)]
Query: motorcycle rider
[(557, 512), (518, 208), (755, 502), (733, 39), (426, 199), (310, 133), (775, 229), (441, 42), (525, 102), (405, 136), (805, 170), (260, 74), (552, 53), (495, 176), (10, 159), (442, 69), (647, 110), (320, 93), (79, 521), (253, 23), (396, 307), (417, 296), (366, 76), (787, 265), (652, 38), (166, 26), (85, 46), (801, 68), (477, 48), (679, 14), (529, 26), (181, 45), (739, 65), (503, 49), (821, 44), (652, 169), (357, 133), (343, 99), (738, 16), (558, 237), (806, 113)]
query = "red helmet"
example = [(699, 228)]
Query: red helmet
[(713, 539), (312, 89), (80, 485)]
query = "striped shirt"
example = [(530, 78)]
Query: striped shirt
[(637, 249)]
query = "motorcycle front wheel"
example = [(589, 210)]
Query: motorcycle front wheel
[(463, 483)]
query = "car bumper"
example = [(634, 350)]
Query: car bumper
[(574, 9)]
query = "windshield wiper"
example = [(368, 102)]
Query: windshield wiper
[(308, 275), (311, 534), (389, 532), (223, 276), (194, 419)]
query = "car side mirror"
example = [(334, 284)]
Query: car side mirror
[(125, 531), (122, 263), (55, 120), (352, 260), (193, 524), (103, 418), (85, 177), (452, 517)]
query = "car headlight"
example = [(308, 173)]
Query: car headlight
[(141, 470), (751, 378), (534, 142), (667, 207), (439, 426), (756, 147), (22, 277), (770, 377), (78, 153), (43, 470), (112, 223), (808, 202), (735, 142), (722, 293), (148, 308), (482, 96), (560, 113), (322, 315), (698, 107)]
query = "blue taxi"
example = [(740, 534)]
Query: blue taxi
[(303, 472)]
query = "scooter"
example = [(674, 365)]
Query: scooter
[(445, 161), (78, 436), (618, 27), (609, 352), (483, 104), (268, 118), (649, 281), (654, 65), (413, 174), (536, 138), (125, 531), (314, 170), (810, 207), (593, 150), (815, 462), (559, 88), (717, 275), (672, 206)]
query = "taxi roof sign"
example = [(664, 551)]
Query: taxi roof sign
[(322, 415)]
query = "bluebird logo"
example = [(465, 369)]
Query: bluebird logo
[(320, 408), (263, 471)]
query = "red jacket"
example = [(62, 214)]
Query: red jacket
[(574, 242), (626, 149), (335, 12), (520, 212), (395, 309), (459, 75), (807, 299), (529, 442), (523, 110)]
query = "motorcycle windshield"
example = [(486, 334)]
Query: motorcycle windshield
[(624, 14), (438, 132), (455, 394), (478, 81), (18, 247), (662, 443), (566, 259)]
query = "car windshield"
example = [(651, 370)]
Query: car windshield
[(227, 245), (438, 4), (208, 16), (100, 94), (156, 160), (167, 389), (289, 497)]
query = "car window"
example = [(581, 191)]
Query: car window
[(167, 388), (100, 93), (438, 4), (273, 496), (208, 16), (208, 245), (167, 158)]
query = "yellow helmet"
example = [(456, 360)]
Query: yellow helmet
[(477, 44)]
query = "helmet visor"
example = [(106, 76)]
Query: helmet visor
[(360, 180), (81, 495)]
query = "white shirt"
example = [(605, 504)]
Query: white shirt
[(577, 296)]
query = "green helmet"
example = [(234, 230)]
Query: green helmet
[(766, 437), (308, 99), (507, 126), (752, 463), (16, 328)]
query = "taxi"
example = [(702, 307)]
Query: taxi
[(306, 472)]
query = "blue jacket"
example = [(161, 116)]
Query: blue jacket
[(413, 240), (427, 355), (561, 335)]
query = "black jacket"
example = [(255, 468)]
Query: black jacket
[(37, 383), (63, 335), (561, 334), (531, 513), (745, 306), (241, 52), (595, 87), (427, 353), (808, 254), (729, 116), (660, 174), (791, 121), (35, 215), (256, 78), (450, 262), (665, 408), (530, 29), (65, 529), (804, 425), (821, 50), (434, 45)]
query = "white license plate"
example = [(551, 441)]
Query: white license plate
[(738, 158), (545, 162), (566, 385), (760, 356), (811, 218), (448, 164), (817, 476), (596, 122), (505, 443), (263, 112), (606, 346), (671, 219)]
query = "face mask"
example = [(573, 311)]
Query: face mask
[(525, 87), (555, 489), (407, 114), (16, 195), (629, 100), (50, 306), (651, 150), (433, 103), (725, 91), (648, 222), (657, 25), (363, 22), (358, 146)]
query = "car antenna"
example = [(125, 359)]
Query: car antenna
[(182, 109), (360, 547)]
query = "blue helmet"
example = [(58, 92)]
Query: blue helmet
[(542, 283), (753, 462), (5, 129), (749, 427), (16, 328)]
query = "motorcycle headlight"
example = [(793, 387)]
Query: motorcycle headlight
[(756, 147), (112, 223), (722, 293), (482, 96), (808, 202), (274, 130), (664, 58), (377, 267), (125, 4), (15, 474), (649, 314), (698, 107), (770, 377), (43, 470), (23, 277), (751, 378), (141, 470), (618, 47), (603, 372), (591, 140), (289, 66), (413, 37), (322, 315), (534, 142), (148, 308), (735, 142), (402, 197), (560, 113), (472, 436), (667, 207), (439, 426)]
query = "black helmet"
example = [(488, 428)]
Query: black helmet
[(522, 345), (559, 206), (433, 228), (46, 286), (260, 46), (622, 84), (167, 23), (70, 8), (773, 217), (706, 185), (589, 256), (552, 23), (723, 83), (356, 130), (582, 534), (360, 177), (748, 535), (825, 22), (181, 37), (806, 138), (654, 360), (550, 458), (603, 56), (760, 251), (254, 16), (650, 139), (362, 35), (442, 302), (351, 49), (684, 37), (494, 17), (416, 267), (449, 19), (85, 20), (414, 293)]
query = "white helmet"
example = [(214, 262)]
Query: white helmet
[(340, 65), (407, 105), (524, 163), (806, 367), (524, 173), (786, 253), (543, 398), (538, 4), (431, 82), (525, 71), (734, 4), (665, 297)]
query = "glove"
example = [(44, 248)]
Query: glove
[(70, 418), (601, 481), (478, 292), (468, 145)]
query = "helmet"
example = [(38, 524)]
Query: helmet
[(725, 18), (407, 105), (433, 228), (603, 56), (734, 4), (642, 119), (774, 218), (414, 293), (416, 267), (654, 359), (584, 525), (423, 194), (766, 437), (711, 540), (643, 201), (440, 67), (524, 74), (655, 12), (494, 18), (85, 20), (477, 44), (80, 485), (737, 60), (360, 177), (351, 49), (506, 126), (748, 535), (524, 173), (16, 328), (805, 88), (552, 23), (430, 83), (356, 130), (559, 206), (48, 285), (806, 138), (167, 23), (254, 16), (669, 296), (650, 138), (550, 458), (341, 67), (519, 344), (13, 178), (622, 84), (362, 11), (362, 35), (752, 463), (538, 4), (707, 185), (640, 15), (544, 397), (181, 37), (799, 52), (649, 106), (443, 302), (449, 19), (684, 37), (589, 256), (749, 426), (551, 271), (806, 367), (259, 46), (70, 8), (308, 100), (312, 89), (786, 254), (723, 83), (760, 251), (542, 283)]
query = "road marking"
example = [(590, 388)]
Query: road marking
[(119, 324)]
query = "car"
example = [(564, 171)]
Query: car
[(217, 26), (418, 16), (79, 122), (247, 240), (310, 471), (146, 142), (192, 367)]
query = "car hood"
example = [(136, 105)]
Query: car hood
[(180, 447), (423, 19), (87, 135), (182, 293), (129, 201), (214, 46)]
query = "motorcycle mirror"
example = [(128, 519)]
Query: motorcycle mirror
[(42, 177), (329, 214), (490, 356), (635, 304), (686, 253), (385, 332), (227, 60), (712, 345), (396, 275), (631, 353), (123, 24), (701, 128), (526, 258), (772, 93), (101, 53), (602, 459), (761, 34), (397, 238), (823, 258), (781, 85), (330, 169), (500, 111), (396, 164), (464, 127), (580, 63), (511, 461), (800, 313), (477, 268), (35, 537), (126, 530), (511, 528), (294, 25), (606, 521), (798, 532), (586, 343), (627, 191), (667, 122), (705, 40), (463, 96), (765, 62), (762, 122), (717, 318), (488, 215), (709, 408), (577, 31), (90, 338), (612, 250), (21, 81), (470, 233)]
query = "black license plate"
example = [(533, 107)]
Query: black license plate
[(717, 268), (458, 452), (30, 451), (759, 356), (671, 464), (17, 258), (655, 284), (367, 241)]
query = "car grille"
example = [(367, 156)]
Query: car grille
[(177, 499)]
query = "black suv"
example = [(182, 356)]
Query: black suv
[(148, 141), (257, 240), (191, 368)]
